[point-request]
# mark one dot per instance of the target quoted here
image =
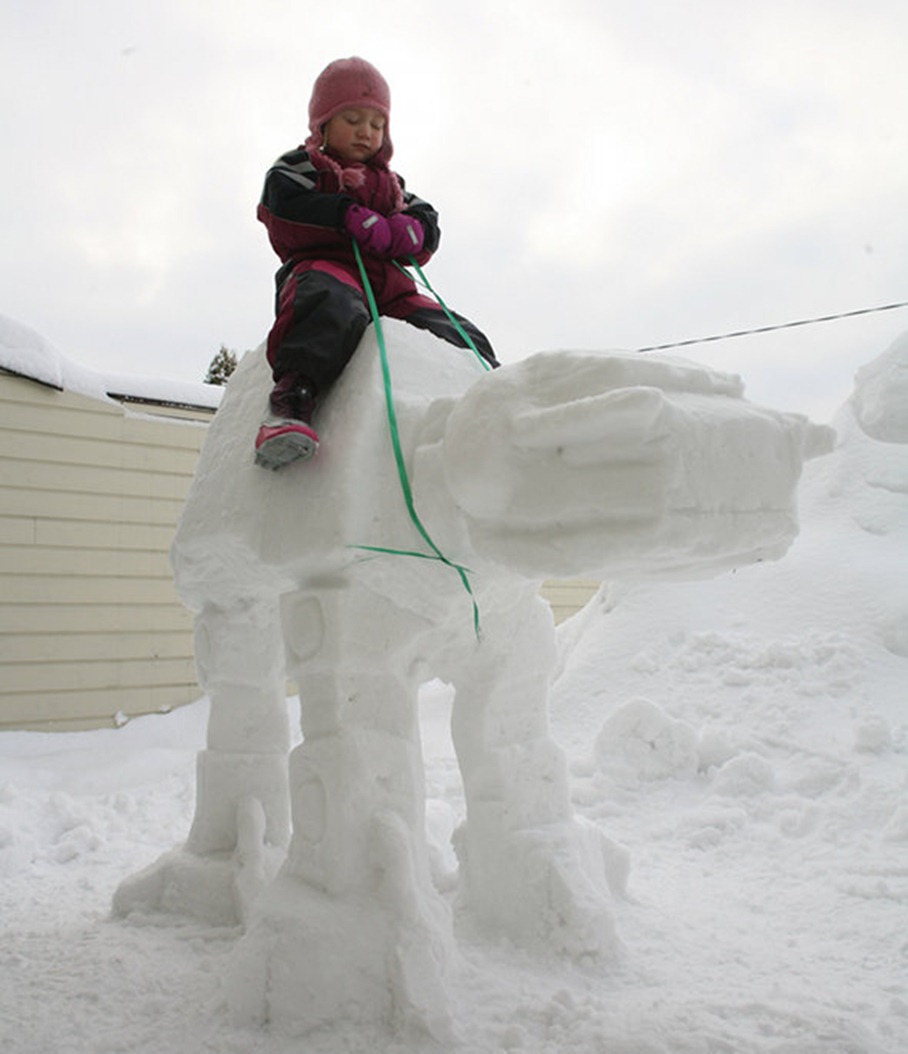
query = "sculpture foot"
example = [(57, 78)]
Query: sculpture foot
[(547, 888), (217, 888), (378, 957)]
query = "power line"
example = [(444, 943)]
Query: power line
[(769, 329)]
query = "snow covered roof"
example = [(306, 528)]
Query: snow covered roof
[(27, 354)]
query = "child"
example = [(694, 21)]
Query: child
[(317, 200)]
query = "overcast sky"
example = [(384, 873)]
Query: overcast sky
[(609, 173)]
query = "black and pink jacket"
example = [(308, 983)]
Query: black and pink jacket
[(303, 205)]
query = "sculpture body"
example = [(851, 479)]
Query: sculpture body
[(566, 464)]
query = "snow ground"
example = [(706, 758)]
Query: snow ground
[(754, 763)]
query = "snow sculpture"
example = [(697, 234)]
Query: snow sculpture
[(564, 464)]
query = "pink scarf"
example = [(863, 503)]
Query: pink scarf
[(372, 184)]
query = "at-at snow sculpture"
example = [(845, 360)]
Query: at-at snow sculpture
[(565, 464)]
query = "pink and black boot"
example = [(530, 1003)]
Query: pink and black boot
[(287, 434)]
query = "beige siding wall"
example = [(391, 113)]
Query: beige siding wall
[(90, 624), (567, 598)]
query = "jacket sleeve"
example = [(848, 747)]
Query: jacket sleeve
[(299, 217), (303, 220), (428, 217), (290, 193)]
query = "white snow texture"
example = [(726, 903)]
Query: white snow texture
[(740, 740)]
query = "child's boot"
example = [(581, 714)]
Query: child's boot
[(287, 434)]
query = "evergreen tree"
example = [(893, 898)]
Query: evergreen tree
[(221, 366)]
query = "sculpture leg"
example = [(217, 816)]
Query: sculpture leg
[(241, 826), (353, 927), (529, 868)]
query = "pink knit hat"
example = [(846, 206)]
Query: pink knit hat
[(347, 83)]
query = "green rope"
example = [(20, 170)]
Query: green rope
[(399, 456), (468, 341), (409, 552)]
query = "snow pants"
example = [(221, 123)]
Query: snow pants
[(321, 314)]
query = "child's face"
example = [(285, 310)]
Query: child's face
[(355, 134)]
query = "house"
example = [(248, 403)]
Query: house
[(93, 474)]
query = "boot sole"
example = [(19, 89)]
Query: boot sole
[(282, 448)]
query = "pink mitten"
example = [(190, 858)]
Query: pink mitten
[(407, 235), (370, 229)]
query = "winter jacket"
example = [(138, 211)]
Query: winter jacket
[(303, 206)]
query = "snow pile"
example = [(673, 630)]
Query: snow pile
[(28, 354), (744, 738), (749, 747), (641, 740), (881, 395)]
